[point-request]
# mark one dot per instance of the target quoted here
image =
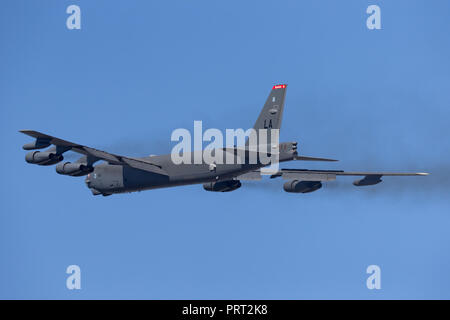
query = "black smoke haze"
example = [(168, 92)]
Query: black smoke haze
[(367, 132)]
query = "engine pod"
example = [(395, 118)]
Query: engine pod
[(38, 144), (73, 169), (222, 186), (296, 186), (43, 158)]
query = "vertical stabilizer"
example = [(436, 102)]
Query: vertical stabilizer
[(272, 112)]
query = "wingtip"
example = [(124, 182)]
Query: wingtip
[(423, 173)]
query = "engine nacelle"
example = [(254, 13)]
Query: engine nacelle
[(38, 144), (43, 158), (73, 169), (222, 186), (296, 186)]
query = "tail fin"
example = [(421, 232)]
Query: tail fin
[(272, 112)]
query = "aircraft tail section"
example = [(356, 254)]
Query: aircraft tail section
[(272, 113)]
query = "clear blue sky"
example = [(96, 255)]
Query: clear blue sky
[(139, 69)]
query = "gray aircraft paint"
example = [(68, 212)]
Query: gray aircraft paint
[(121, 174), (272, 113)]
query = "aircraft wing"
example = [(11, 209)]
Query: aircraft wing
[(95, 154), (305, 158), (370, 178), (329, 175)]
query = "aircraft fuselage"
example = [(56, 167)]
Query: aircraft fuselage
[(108, 179)]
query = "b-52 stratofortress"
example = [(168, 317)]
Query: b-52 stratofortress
[(121, 174)]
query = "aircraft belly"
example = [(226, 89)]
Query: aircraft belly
[(200, 173), (140, 180), (118, 179), (109, 179)]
